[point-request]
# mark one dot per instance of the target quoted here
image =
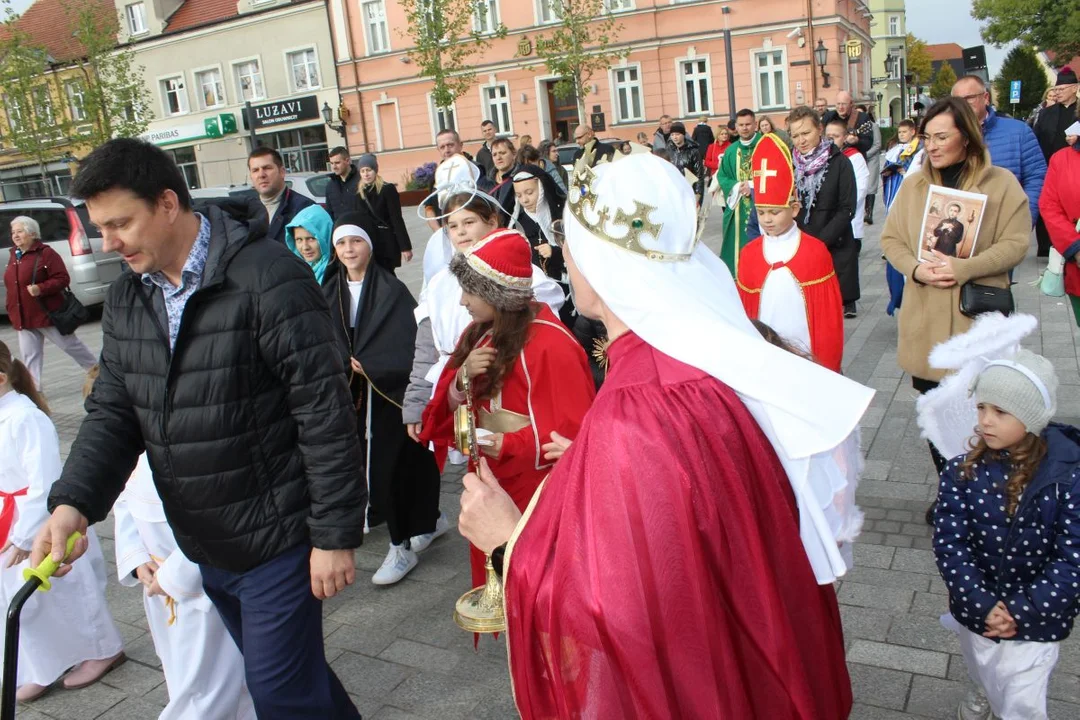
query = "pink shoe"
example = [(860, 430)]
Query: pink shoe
[(89, 672), (30, 692)]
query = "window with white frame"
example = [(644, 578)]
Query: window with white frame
[(486, 16), (249, 80), (136, 18), (441, 118), (43, 101), (76, 97), (497, 106), (549, 11), (174, 95), (374, 14), (894, 24), (770, 73), (696, 85), (14, 113), (304, 69), (211, 88), (628, 94), (618, 5)]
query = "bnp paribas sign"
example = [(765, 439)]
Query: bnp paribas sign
[(208, 128)]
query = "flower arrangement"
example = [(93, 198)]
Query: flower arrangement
[(422, 178)]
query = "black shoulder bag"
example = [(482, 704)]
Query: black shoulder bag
[(977, 299), (71, 313)]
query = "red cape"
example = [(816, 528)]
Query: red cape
[(660, 574), (551, 383), (812, 267)]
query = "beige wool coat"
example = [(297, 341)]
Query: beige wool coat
[(930, 315)]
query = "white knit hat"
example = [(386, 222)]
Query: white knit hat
[(1025, 386)]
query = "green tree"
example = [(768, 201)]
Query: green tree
[(447, 36), (35, 127), (578, 46), (943, 81), (1044, 24), (919, 63), (115, 100), (1021, 64)]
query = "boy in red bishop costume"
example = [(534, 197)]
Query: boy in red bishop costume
[(529, 374), (786, 278)]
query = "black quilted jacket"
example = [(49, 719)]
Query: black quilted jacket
[(248, 424)]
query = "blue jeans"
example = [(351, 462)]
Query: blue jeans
[(277, 624)]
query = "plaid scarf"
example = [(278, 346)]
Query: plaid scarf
[(810, 173)]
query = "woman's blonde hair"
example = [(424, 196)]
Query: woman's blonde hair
[(361, 189), (978, 157)]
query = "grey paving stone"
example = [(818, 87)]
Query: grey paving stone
[(932, 604), (879, 686), (875, 597), (1059, 710), (899, 541), (866, 623), (917, 631), (869, 712), (934, 697), (432, 695), (888, 578), (876, 556), (369, 677), (85, 704), (895, 657), (919, 561)]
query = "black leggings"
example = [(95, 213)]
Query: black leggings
[(924, 386)]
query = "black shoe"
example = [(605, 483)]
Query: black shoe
[(930, 513), (868, 220), (849, 310)]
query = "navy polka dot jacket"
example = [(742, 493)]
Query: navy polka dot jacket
[(1030, 561)]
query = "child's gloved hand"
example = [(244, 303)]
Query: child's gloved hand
[(999, 623)]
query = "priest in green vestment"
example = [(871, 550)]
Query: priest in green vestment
[(735, 180)]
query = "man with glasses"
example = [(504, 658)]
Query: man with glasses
[(1011, 142), (860, 126), (586, 140), (1050, 130), (448, 143)]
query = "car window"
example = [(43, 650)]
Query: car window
[(53, 221), (84, 217), (566, 154), (317, 185)]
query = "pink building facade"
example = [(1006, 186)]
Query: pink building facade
[(676, 65)]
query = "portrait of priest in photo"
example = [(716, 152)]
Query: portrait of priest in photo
[(949, 233)]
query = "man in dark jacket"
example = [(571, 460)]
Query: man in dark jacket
[(483, 155), (344, 181), (586, 140), (860, 126), (220, 362), (268, 178), (703, 135), (685, 154)]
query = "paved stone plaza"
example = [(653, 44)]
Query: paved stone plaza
[(400, 655)]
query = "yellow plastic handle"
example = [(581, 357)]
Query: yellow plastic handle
[(48, 566)]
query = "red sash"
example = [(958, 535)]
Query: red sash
[(7, 513)]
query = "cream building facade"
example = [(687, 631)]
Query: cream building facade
[(889, 31)]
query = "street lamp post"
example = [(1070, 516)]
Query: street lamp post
[(328, 116), (821, 55)]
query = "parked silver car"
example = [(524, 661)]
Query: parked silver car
[(309, 184), (66, 227)]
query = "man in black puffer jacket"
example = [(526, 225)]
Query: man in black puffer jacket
[(219, 360)]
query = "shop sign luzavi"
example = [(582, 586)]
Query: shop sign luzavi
[(285, 111)]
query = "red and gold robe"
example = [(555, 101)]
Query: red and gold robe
[(813, 273), (659, 572), (550, 387)]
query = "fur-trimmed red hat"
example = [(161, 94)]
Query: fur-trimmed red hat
[(497, 269)]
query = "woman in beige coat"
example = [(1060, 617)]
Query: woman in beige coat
[(956, 157)]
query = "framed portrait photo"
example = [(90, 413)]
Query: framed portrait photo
[(951, 222)]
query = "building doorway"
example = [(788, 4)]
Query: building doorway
[(563, 113)]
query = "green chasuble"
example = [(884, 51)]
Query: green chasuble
[(735, 168)]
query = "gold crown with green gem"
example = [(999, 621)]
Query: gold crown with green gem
[(582, 202)]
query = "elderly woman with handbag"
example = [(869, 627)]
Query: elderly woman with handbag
[(944, 293), (37, 283)]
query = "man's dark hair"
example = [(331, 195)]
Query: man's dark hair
[(339, 151), (804, 112), (134, 165), (918, 106), (263, 152), (745, 112), (448, 131), (731, 125), (486, 123), (837, 120), (907, 123)]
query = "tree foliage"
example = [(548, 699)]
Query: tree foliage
[(445, 42), (116, 101), (943, 81), (1043, 24), (1021, 64), (578, 46), (919, 63)]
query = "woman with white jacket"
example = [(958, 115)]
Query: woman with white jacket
[(70, 625)]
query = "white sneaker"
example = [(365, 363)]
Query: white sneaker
[(974, 707), (420, 543), (398, 563)]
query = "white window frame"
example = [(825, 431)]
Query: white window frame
[(680, 73), (185, 101), (131, 16), (73, 89), (44, 102), (545, 12), (615, 85), (224, 100), (894, 25), (14, 113), (289, 68), (369, 38), (485, 108), (238, 86), (433, 116), (757, 72), (617, 6), (491, 17)]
